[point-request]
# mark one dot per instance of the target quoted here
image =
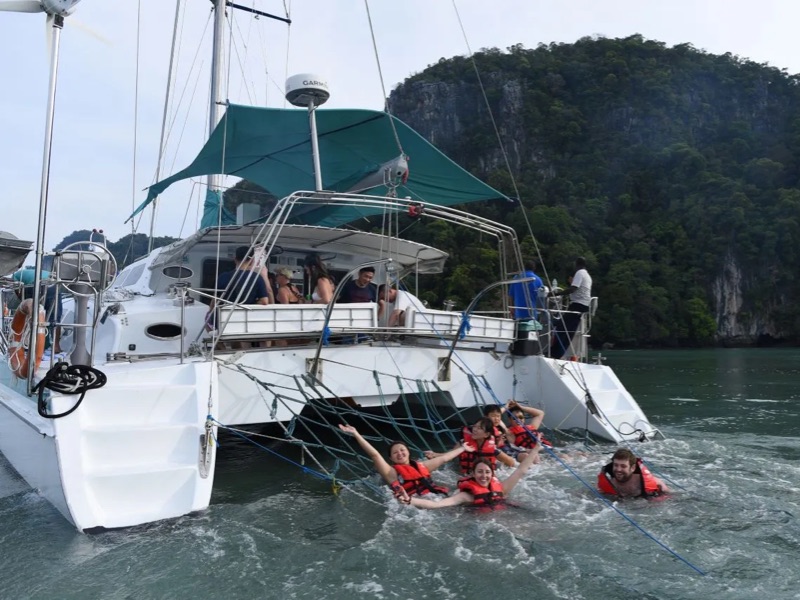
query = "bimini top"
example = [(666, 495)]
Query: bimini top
[(411, 256), (272, 148)]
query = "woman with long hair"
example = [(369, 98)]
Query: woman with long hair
[(320, 282)]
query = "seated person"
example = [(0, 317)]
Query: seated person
[(413, 477), (397, 303), (626, 476), (287, 291), (482, 488)]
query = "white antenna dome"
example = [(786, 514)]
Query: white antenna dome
[(307, 88)]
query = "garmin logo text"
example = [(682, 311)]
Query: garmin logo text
[(314, 82)]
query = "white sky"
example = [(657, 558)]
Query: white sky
[(92, 181)]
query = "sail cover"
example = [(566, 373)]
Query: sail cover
[(272, 148)]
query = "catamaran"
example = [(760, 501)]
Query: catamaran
[(120, 428)]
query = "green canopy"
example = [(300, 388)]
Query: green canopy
[(272, 148)]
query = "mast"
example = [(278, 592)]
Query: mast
[(57, 24), (212, 181)]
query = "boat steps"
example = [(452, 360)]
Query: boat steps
[(156, 446), (132, 495)]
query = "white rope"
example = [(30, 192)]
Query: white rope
[(383, 85), (500, 143)]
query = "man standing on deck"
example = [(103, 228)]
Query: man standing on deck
[(523, 297), (580, 296), (362, 289)]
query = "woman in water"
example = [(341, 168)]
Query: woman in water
[(482, 488), (413, 476)]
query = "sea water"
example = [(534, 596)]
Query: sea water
[(730, 418)]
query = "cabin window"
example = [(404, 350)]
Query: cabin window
[(163, 331), (177, 272)]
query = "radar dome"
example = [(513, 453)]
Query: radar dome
[(307, 88)]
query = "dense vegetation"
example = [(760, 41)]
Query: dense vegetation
[(658, 164), (126, 250)]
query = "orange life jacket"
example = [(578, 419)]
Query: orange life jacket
[(416, 479), (483, 496), (523, 439), (487, 450), (649, 484)]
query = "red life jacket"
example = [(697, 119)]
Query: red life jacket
[(499, 438), (649, 484), (416, 479), (483, 496), (487, 450), (523, 440)]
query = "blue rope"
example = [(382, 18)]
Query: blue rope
[(607, 502), (326, 336), (303, 468), (465, 326)]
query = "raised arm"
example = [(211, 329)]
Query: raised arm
[(523, 467), (536, 413), (385, 469), (436, 460)]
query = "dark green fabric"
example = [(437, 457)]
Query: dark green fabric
[(272, 147)]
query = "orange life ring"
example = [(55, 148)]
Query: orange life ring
[(17, 354)]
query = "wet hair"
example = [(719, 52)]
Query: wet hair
[(486, 424), (398, 442), (625, 454), (519, 414), (483, 461), (490, 409)]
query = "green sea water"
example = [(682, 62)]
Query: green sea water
[(730, 418)]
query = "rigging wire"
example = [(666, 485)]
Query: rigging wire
[(502, 146), (161, 143), (383, 84)]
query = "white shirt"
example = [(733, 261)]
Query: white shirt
[(583, 281), (404, 301)]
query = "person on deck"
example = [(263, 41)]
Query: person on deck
[(320, 282), (241, 285), (523, 297), (580, 297), (482, 488), (414, 477), (287, 291), (626, 476), (397, 304)]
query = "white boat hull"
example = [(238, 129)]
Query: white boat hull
[(130, 454)]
